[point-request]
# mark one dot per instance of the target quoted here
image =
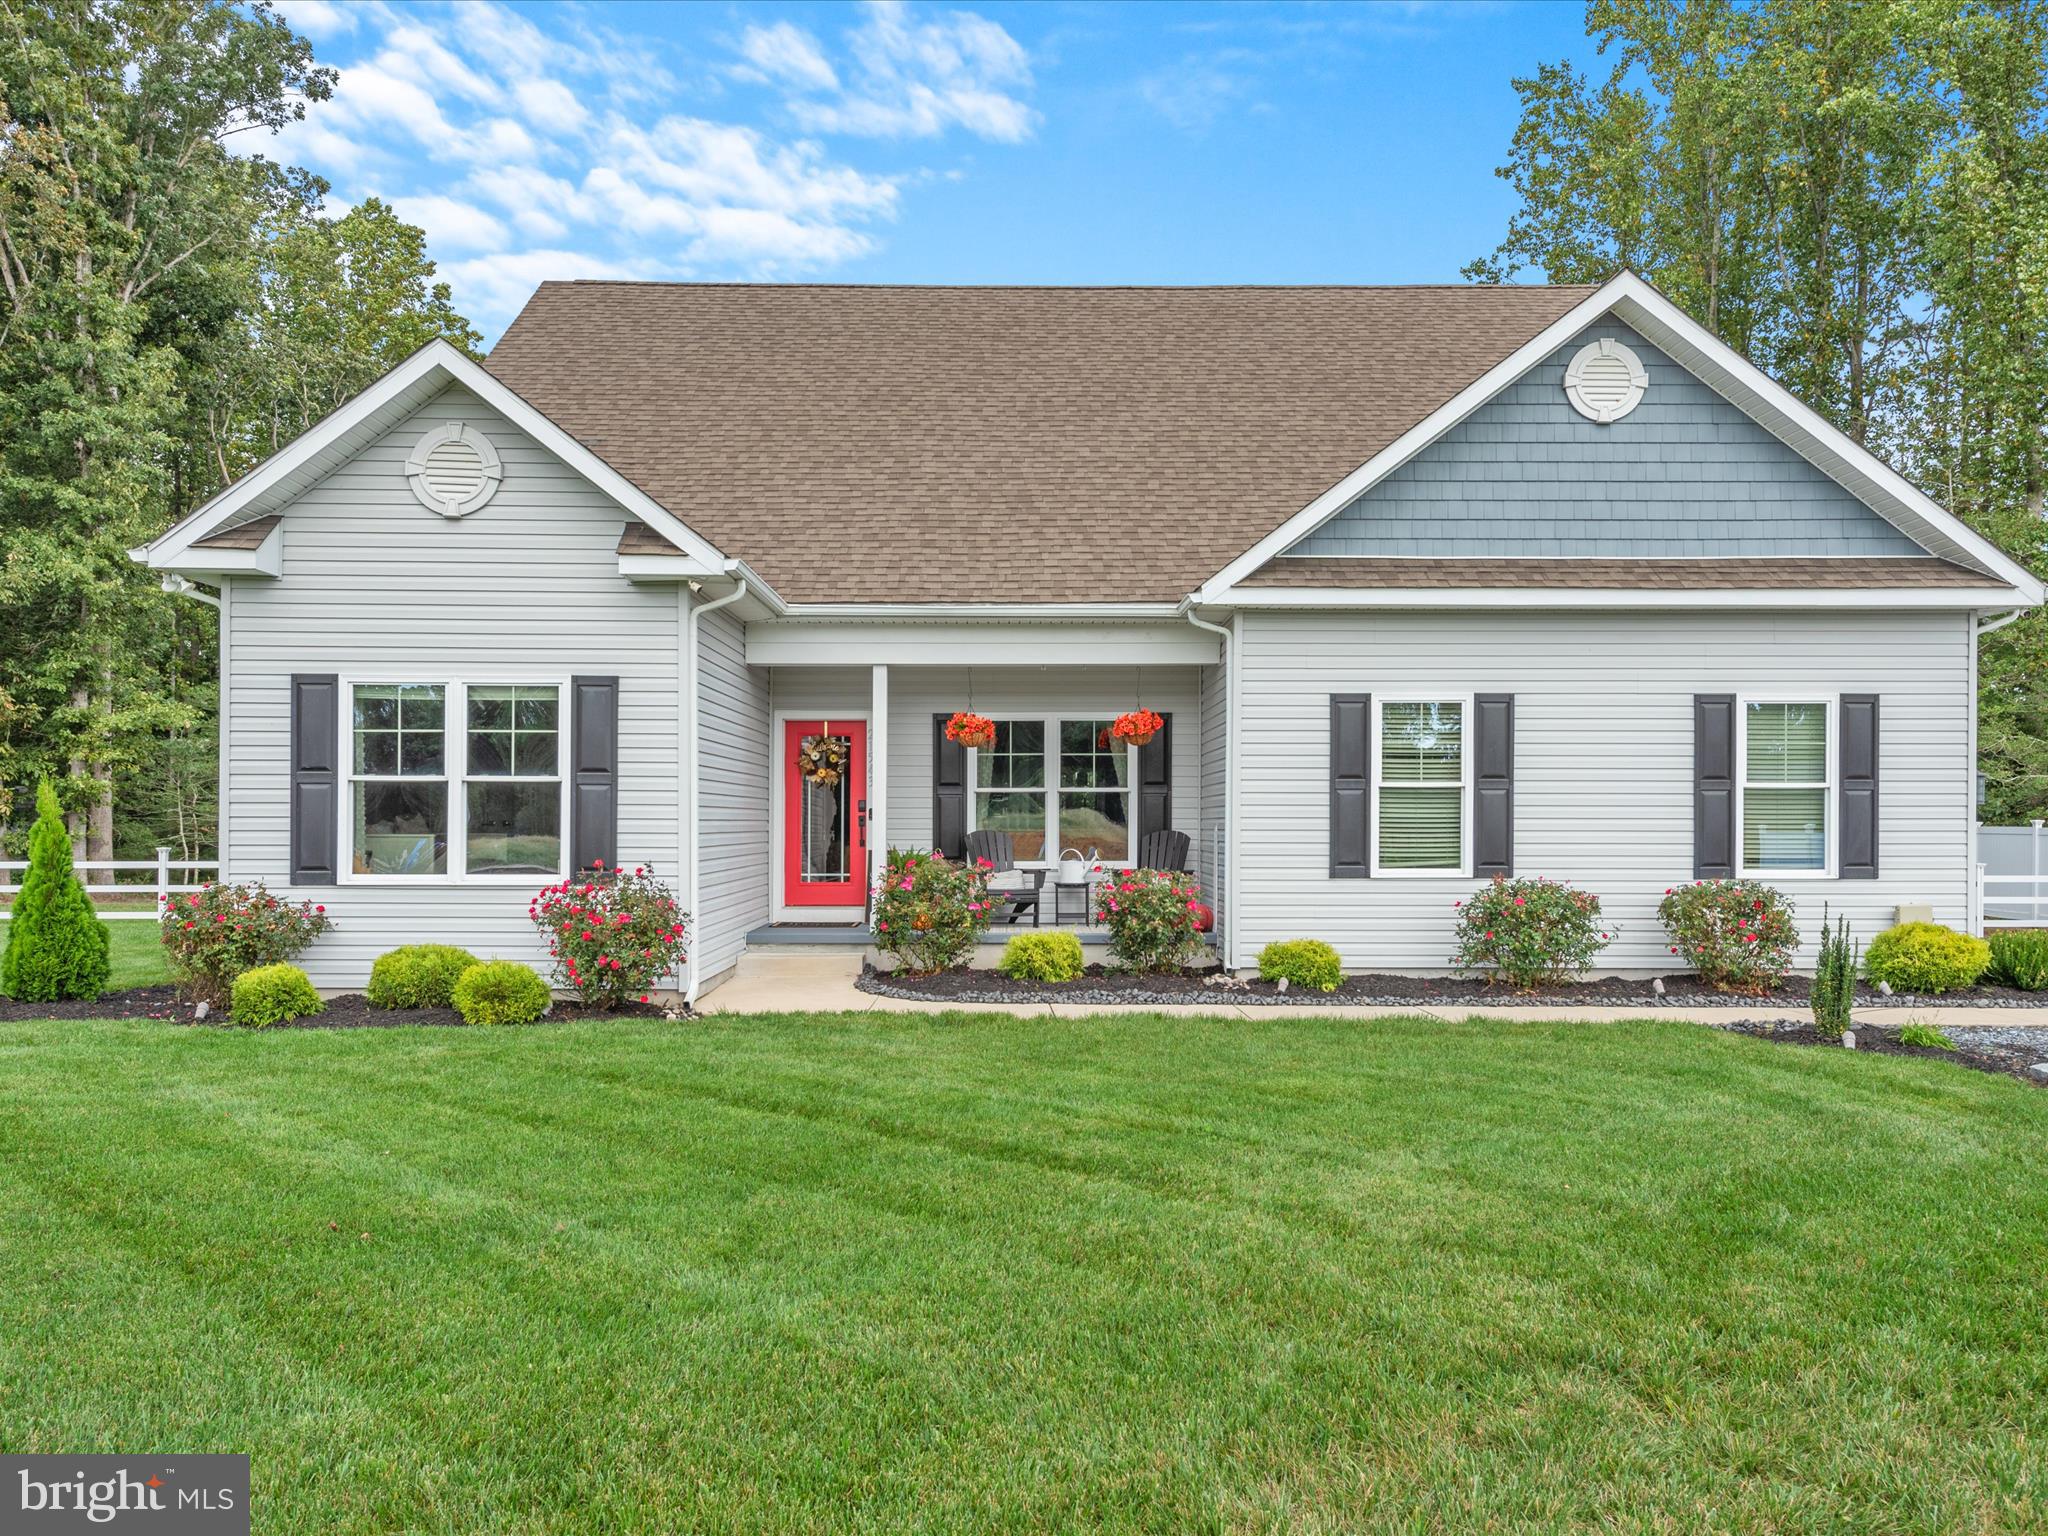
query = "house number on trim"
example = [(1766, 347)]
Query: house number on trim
[(454, 469)]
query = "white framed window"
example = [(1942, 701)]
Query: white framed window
[(1785, 756), (1422, 783), (1055, 782), (455, 780)]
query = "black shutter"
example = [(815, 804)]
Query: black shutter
[(1155, 782), (949, 792), (1493, 785), (1713, 786), (316, 776), (1858, 760), (1350, 786), (594, 772)]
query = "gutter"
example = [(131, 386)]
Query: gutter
[(1992, 626), (1229, 662), (691, 890)]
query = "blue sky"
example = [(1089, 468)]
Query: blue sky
[(1042, 143)]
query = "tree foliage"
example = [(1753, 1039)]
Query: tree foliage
[(1853, 194), (176, 306)]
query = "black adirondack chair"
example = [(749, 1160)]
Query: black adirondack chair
[(1163, 850), (1000, 849)]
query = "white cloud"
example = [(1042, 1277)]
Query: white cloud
[(913, 78), (318, 19), (451, 224), (790, 54), (1194, 94)]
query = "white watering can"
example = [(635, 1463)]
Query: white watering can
[(1073, 868)]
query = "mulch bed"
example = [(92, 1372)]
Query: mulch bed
[(1995, 1056), (1101, 985), (349, 1011)]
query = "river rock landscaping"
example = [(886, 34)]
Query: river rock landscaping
[(349, 1011)]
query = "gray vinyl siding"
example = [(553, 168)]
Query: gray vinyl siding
[(1685, 474), (918, 693), (1603, 738), (1212, 850), (732, 775), (377, 586)]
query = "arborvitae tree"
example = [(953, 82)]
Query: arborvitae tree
[(56, 944)]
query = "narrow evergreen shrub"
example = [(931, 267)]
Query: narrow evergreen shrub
[(1051, 956), (1302, 963), (1926, 957), (2019, 958), (56, 944), (500, 992), (416, 976), (271, 994), (1834, 978)]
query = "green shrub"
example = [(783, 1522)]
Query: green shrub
[(271, 994), (1834, 978), (1153, 917), (500, 992), (1926, 957), (1050, 956), (613, 935), (220, 931), (56, 944), (417, 976), (1302, 963), (930, 911), (1925, 1035), (2019, 958), (1735, 934), (1529, 931)]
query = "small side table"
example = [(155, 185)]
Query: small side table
[(1085, 886)]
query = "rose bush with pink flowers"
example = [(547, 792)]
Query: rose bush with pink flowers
[(214, 934), (613, 935), (1736, 934), (1530, 932), (930, 911), (1153, 916)]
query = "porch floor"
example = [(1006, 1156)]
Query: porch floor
[(858, 935)]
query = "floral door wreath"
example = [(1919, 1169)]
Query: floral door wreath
[(822, 759)]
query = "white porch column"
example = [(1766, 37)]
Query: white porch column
[(878, 774)]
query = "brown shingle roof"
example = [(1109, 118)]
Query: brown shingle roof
[(247, 535), (637, 538), (998, 444), (1615, 575)]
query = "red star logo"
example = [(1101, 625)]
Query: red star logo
[(155, 1481)]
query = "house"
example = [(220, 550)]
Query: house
[(1429, 583)]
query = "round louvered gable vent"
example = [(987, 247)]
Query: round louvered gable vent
[(1605, 381), (454, 469)]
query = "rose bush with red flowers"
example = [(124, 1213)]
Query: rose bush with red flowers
[(613, 935), (214, 934), (1153, 916), (1737, 934), (930, 911), (1529, 932)]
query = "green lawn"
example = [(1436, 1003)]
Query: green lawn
[(137, 955), (918, 1273)]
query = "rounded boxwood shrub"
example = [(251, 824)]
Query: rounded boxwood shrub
[(2019, 958), (1053, 956), (501, 992), (271, 994), (1302, 963), (1925, 957), (417, 976), (56, 943)]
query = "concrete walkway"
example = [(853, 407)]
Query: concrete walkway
[(822, 992)]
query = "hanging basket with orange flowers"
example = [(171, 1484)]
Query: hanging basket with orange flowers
[(1138, 727), (971, 730)]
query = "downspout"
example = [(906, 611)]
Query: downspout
[(1229, 784), (696, 611)]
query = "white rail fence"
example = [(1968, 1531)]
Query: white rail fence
[(162, 867), (2012, 879)]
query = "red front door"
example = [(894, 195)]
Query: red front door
[(824, 813)]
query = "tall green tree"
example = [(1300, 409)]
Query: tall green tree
[(1853, 194)]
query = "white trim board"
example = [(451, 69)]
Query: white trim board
[(322, 448), (1773, 407)]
